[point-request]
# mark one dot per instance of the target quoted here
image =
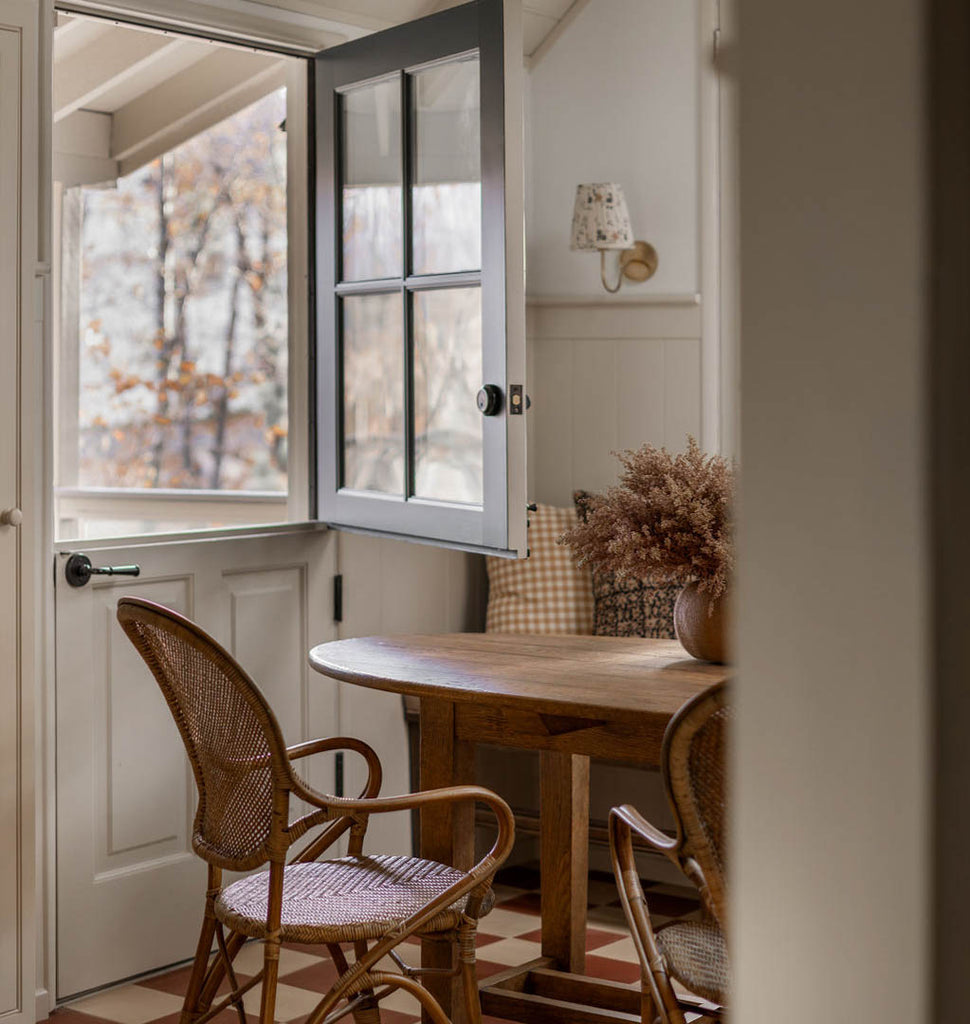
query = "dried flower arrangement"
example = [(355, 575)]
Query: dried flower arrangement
[(668, 520)]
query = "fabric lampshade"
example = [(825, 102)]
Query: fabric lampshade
[(601, 219)]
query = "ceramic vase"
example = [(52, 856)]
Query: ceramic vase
[(702, 624)]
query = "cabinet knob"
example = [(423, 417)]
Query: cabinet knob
[(11, 517)]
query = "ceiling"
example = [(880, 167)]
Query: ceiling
[(539, 17), (123, 94)]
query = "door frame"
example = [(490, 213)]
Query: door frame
[(718, 240), (31, 272), (274, 30)]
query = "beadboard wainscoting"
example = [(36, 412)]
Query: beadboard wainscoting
[(607, 374)]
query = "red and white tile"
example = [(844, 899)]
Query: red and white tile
[(509, 935)]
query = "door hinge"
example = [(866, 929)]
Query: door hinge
[(338, 598)]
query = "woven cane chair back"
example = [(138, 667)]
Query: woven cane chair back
[(231, 736), (695, 769)]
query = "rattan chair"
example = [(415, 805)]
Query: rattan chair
[(245, 781), (693, 953)]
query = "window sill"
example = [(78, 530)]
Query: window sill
[(189, 536), (97, 517)]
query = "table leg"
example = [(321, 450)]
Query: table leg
[(447, 832), (564, 856)]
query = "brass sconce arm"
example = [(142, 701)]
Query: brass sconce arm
[(636, 264)]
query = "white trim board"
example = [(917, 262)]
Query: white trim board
[(577, 319), (245, 22), (623, 301)]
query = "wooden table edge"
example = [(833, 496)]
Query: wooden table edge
[(693, 675)]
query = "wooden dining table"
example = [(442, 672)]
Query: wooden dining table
[(569, 697)]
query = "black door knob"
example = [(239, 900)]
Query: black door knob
[(489, 399)]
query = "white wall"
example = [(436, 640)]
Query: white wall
[(616, 99), (831, 824)]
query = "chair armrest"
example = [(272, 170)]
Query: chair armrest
[(367, 752), (635, 821), (342, 807), (624, 821), (411, 801), (406, 801), (318, 746), (323, 804)]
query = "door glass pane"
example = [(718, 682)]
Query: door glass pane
[(371, 176), (447, 173), (373, 364), (447, 376)]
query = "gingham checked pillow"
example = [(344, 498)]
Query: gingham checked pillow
[(546, 592)]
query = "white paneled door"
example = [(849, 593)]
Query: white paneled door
[(129, 888)]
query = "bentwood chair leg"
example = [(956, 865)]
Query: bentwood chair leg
[(337, 956), (271, 942), (368, 1012), (271, 969), (190, 1007), (466, 964), (217, 972), (364, 1013), (473, 1002)]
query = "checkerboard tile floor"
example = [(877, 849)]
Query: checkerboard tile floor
[(509, 935)]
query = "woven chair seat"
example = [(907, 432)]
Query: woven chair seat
[(345, 899), (695, 954)]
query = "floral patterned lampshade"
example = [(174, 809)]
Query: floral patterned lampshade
[(601, 219)]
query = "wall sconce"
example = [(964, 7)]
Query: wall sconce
[(601, 221)]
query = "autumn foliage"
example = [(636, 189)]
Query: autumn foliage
[(183, 315)]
